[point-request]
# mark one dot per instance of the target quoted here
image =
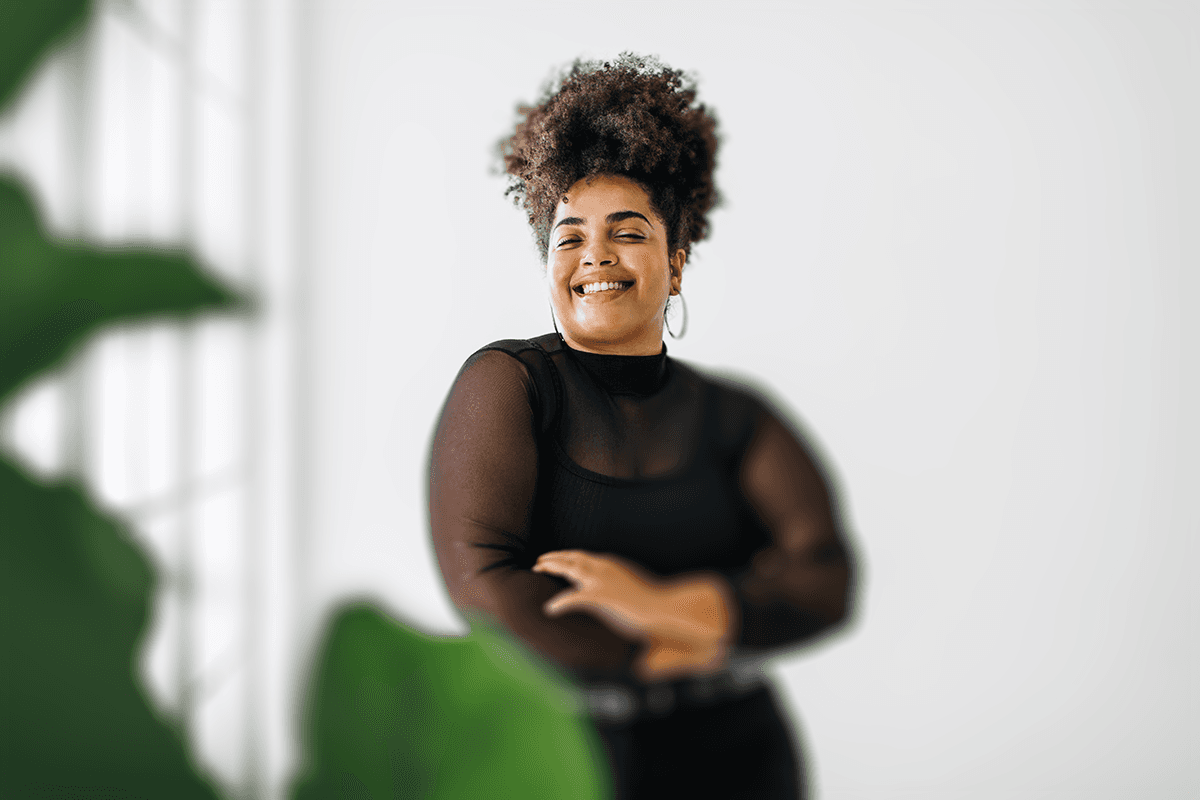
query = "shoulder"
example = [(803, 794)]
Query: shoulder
[(508, 351), (735, 395), (770, 423), (524, 351), (735, 406), (508, 370), (745, 411), (495, 368), (515, 347)]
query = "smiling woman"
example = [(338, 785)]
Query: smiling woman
[(649, 529), (610, 271)]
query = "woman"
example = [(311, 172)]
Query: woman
[(641, 525)]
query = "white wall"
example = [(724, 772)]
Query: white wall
[(959, 241)]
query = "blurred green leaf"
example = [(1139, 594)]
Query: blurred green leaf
[(396, 713), (393, 713), (27, 29), (74, 593), (54, 295)]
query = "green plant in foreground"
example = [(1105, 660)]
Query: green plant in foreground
[(392, 712), (74, 589), (396, 713)]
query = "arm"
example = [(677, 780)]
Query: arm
[(684, 623), (482, 480), (800, 584), (796, 587)]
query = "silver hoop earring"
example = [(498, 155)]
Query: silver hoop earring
[(667, 318)]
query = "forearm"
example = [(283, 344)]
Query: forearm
[(482, 481), (801, 583), (576, 643), (786, 599), (683, 624), (697, 609)]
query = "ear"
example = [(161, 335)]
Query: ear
[(676, 265)]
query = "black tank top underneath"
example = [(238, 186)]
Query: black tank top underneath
[(639, 458)]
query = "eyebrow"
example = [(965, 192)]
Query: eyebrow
[(616, 216)]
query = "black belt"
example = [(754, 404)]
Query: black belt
[(618, 703)]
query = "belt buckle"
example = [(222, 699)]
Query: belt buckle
[(746, 675), (611, 703)]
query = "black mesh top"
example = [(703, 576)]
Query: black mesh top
[(541, 447)]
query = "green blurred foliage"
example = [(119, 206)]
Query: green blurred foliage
[(394, 713), (54, 295), (74, 593), (28, 28)]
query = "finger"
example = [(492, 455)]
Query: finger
[(608, 610), (566, 602), (576, 565), (566, 559), (566, 554), (567, 571)]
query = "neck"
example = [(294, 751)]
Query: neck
[(642, 346), (640, 375)]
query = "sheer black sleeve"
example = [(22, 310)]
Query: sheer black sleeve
[(801, 583), (482, 481)]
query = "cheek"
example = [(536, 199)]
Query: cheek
[(661, 281), (557, 270), (553, 279), (557, 284)]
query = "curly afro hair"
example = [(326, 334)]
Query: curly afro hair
[(632, 116)]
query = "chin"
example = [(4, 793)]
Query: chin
[(598, 333)]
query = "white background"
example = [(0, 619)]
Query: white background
[(958, 240)]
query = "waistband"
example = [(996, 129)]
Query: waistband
[(618, 703)]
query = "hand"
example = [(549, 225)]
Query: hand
[(619, 592), (664, 660), (687, 622)]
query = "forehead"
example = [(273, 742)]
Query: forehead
[(603, 194)]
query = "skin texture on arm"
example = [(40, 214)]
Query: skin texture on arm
[(482, 479)]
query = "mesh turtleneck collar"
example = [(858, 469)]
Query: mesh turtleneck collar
[(636, 375)]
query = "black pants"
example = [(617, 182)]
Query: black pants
[(740, 748)]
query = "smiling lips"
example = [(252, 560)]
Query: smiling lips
[(602, 286)]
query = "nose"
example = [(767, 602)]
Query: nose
[(599, 253)]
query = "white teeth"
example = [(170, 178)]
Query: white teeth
[(601, 286)]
